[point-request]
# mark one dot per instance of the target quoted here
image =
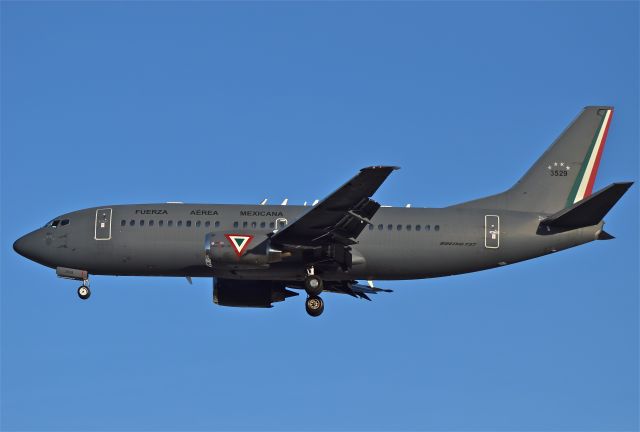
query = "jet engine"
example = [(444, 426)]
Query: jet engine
[(240, 250), (242, 293)]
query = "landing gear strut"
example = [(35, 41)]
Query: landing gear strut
[(84, 292), (314, 306), (313, 286)]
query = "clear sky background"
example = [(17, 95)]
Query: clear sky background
[(106, 103)]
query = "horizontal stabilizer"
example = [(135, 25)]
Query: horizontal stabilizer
[(603, 235), (589, 211)]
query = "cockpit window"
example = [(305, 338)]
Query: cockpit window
[(56, 223)]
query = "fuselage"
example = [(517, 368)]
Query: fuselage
[(401, 243)]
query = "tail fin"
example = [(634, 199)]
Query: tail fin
[(590, 211), (565, 173)]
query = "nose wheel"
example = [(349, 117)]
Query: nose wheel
[(84, 292), (314, 306)]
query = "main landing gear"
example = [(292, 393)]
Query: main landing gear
[(314, 306), (313, 286), (83, 291)]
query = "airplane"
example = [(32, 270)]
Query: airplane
[(257, 254)]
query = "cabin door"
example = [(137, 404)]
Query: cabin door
[(492, 231), (280, 223), (103, 224)]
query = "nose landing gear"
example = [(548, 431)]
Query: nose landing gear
[(84, 292), (75, 274)]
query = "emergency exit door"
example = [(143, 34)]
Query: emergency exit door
[(103, 224), (492, 231)]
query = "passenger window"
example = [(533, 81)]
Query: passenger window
[(207, 224), (437, 227), (64, 222), (389, 227), (132, 222), (188, 223), (160, 222), (151, 222), (380, 227), (245, 224), (370, 227), (399, 227), (263, 224), (141, 222), (281, 224), (418, 227), (170, 223), (408, 227), (123, 222), (217, 224), (272, 225), (198, 223), (179, 223), (427, 227), (235, 224), (254, 224)]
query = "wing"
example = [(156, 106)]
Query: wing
[(340, 217)]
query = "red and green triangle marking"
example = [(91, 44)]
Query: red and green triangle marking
[(239, 242)]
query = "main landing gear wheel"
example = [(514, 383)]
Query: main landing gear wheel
[(313, 285), (314, 305), (84, 292)]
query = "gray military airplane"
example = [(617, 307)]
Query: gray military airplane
[(255, 252)]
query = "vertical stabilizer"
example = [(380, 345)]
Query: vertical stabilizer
[(564, 174)]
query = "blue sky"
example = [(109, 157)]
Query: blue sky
[(107, 103)]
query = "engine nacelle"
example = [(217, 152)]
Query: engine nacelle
[(241, 293), (238, 250)]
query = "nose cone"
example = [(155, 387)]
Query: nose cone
[(19, 245), (25, 246)]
